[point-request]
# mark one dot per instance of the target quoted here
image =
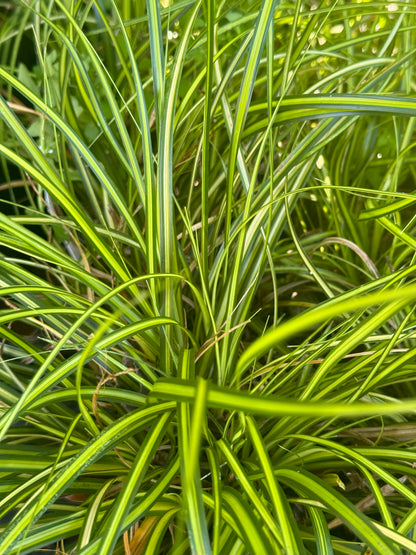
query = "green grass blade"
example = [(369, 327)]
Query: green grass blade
[(291, 540), (114, 523), (191, 424), (247, 525), (361, 525), (220, 397)]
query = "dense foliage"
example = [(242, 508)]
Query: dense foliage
[(207, 271)]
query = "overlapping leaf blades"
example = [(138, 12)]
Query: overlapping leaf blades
[(207, 270)]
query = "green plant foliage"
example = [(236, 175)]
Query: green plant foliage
[(207, 269)]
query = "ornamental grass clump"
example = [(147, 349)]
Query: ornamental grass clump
[(207, 271)]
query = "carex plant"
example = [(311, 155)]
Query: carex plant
[(207, 271)]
